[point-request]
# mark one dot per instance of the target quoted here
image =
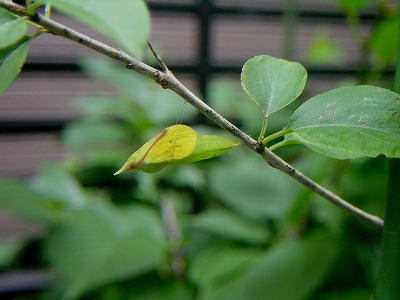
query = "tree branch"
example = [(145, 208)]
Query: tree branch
[(168, 80)]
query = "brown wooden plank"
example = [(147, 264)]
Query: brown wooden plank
[(173, 34), (22, 154), (236, 39), (12, 226), (48, 95)]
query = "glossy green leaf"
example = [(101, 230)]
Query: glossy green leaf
[(272, 83), (102, 244), (292, 270), (384, 40), (127, 22), (11, 60), (350, 122), (12, 29), (26, 202), (229, 225)]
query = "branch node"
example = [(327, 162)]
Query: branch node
[(161, 79), (259, 147)]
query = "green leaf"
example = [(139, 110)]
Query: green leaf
[(294, 138), (95, 134), (384, 40), (102, 244), (352, 7), (28, 203), (350, 294), (350, 122), (229, 225), (324, 51), (9, 250), (253, 189), (12, 29), (214, 266), (127, 22), (140, 103), (150, 287), (11, 60), (292, 270), (272, 83), (58, 184)]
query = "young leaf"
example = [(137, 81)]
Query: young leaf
[(177, 144), (11, 61), (125, 21), (350, 122), (272, 83), (12, 29)]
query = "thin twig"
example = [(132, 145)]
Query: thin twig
[(171, 82), (174, 234)]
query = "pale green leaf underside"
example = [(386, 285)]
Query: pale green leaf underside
[(12, 29), (272, 83), (11, 61), (127, 22), (350, 122)]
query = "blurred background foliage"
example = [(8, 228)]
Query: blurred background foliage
[(227, 228)]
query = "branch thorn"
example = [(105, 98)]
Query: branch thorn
[(158, 58)]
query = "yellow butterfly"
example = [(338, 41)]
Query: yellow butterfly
[(177, 144)]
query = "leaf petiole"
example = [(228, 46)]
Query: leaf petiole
[(263, 129), (38, 32), (282, 144), (47, 10), (32, 7), (276, 135)]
